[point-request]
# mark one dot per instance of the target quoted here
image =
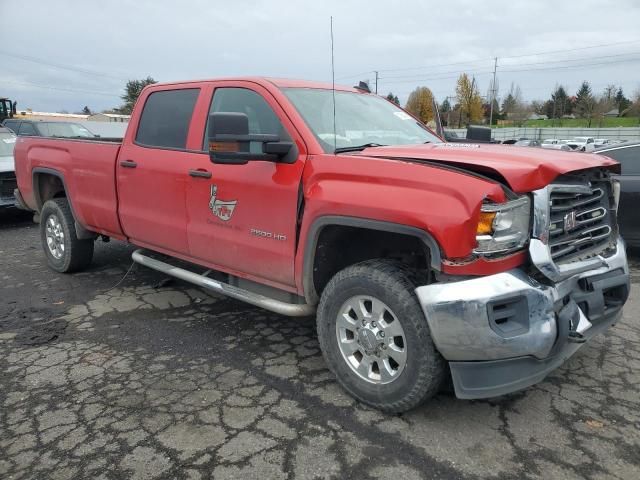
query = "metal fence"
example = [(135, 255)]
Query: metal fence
[(619, 134)]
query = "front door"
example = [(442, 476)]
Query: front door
[(242, 218), (152, 172)]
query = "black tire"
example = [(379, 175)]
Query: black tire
[(389, 282), (77, 254)]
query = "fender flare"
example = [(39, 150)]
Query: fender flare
[(320, 223), (81, 231)]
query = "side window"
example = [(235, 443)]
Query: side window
[(629, 157), (262, 118), (166, 117), (27, 129)]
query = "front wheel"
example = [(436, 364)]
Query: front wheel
[(65, 252), (375, 338)]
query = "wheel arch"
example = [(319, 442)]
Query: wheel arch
[(54, 184), (322, 223)]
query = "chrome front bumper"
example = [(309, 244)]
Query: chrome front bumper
[(505, 332)]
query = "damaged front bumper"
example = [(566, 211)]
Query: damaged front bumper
[(506, 332)]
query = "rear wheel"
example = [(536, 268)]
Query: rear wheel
[(375, 337), (65, 252)]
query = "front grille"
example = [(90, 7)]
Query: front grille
[(7, 184), (581, 224)]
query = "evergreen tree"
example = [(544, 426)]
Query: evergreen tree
[(393, 98), (585, 102)]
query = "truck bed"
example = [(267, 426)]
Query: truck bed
[(87, 168)]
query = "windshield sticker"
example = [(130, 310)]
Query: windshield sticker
[(403, 115), (459, 145), (9, 140)]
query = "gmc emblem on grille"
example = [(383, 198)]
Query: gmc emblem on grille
[(570, 221)]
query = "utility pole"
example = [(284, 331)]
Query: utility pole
[(376, 72), (493, 91)]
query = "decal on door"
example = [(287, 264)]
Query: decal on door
[(221, 208)]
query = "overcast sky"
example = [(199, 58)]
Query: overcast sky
[(102, 43)]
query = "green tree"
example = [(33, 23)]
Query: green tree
[(508, 104), (469, 99), (393, 98), (133, 88), (585, 102), (420, 103), (559, 104), (621, 101), (445, 106)]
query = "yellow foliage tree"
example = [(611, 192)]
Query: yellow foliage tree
[(420, 103), (469, 98)]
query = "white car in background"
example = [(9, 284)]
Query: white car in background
[(582, 144), (7, 168), (555, 144), (601, 142)]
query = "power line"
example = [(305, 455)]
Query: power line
[(27, 58), (566, 67), (429, 74), (73, 90), (469, 62), (392, 80)]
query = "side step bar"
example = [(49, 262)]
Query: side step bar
[(283, 308)]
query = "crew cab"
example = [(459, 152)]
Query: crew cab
[(420, 258)]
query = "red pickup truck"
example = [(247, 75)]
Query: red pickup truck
[(421, 258)]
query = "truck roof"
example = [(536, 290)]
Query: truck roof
[(278, 82)]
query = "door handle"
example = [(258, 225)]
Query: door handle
[(200, 173), (128, 164)]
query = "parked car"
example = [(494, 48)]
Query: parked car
[(39, 128), (628, 154), (557, 146), (582, 144), (599, 142), (527, 143), (7, 168), (421, 258)]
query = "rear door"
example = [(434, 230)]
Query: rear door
[(243, 218), (152, 170)]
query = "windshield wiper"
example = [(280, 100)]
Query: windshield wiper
[(357, 148)]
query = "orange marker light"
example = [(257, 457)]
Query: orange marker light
[(485, 223)]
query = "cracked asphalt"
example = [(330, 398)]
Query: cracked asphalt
[(162, 380)]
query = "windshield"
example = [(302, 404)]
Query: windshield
[(63, 129), (360, 119), (7, 142)]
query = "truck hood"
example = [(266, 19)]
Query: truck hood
[(7, 164), (523, 169)]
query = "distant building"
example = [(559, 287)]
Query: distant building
[(109, 117), (29, 114), (535, 116), (612, 113)]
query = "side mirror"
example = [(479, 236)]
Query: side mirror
[(230, 141)]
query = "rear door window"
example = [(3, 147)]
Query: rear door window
[(166, 117)]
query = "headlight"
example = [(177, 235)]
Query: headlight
[(503, 227)]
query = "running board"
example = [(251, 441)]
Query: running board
[(283, 308)]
